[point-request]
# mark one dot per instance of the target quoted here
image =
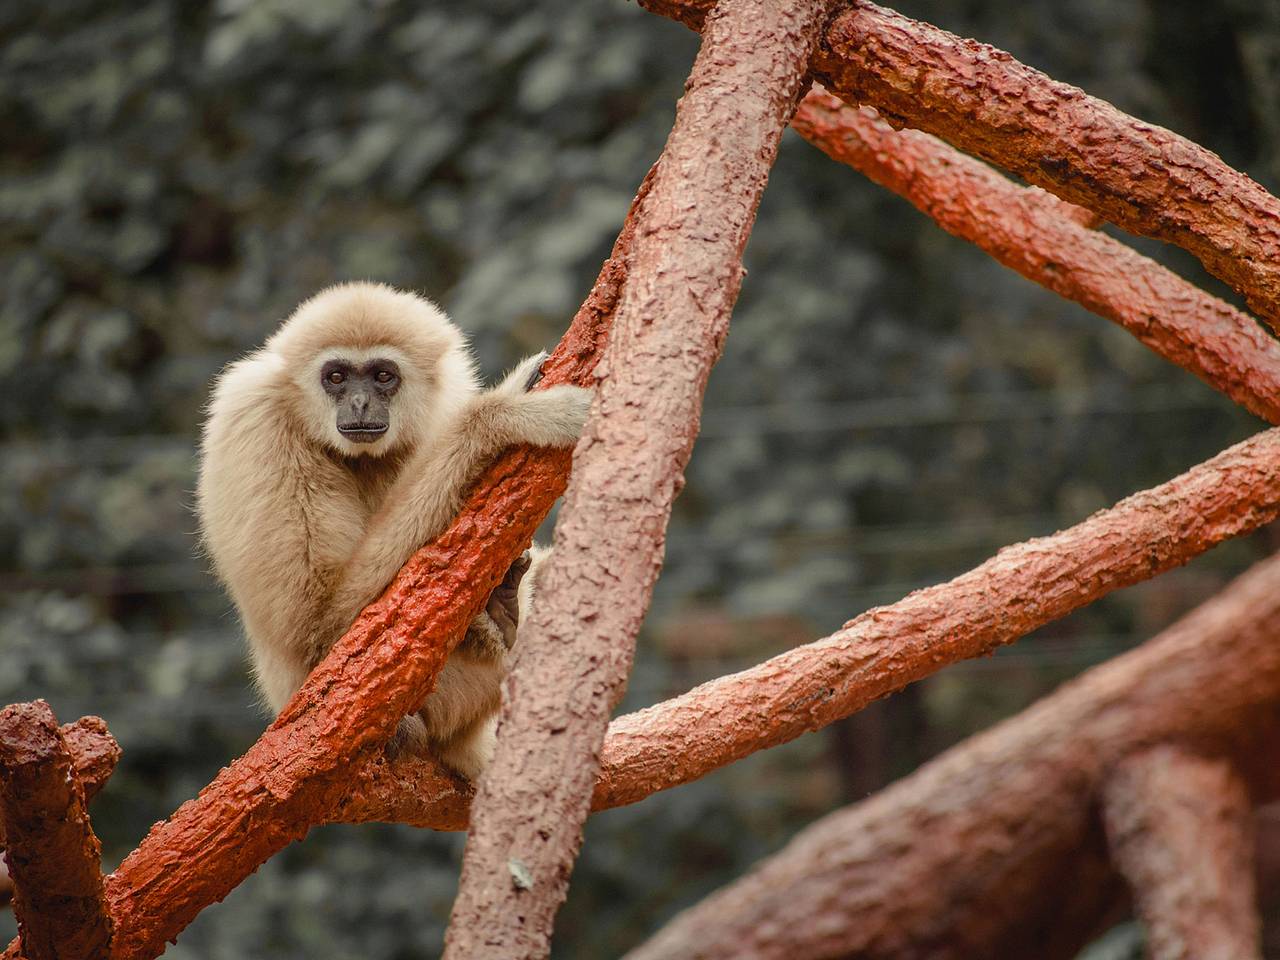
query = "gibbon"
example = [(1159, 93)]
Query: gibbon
[(330, 455)]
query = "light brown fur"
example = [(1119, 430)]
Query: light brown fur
[(306, 527)]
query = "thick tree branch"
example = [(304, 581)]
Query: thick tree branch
[(1023, 587), (1141, 177), (994, 849), (1180, 830), (1044, 239), (301, 767), (52, 853), (686, 270)]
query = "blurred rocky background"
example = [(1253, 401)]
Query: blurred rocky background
[(891, 408)]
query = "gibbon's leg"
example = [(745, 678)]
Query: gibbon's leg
[(428, 493)]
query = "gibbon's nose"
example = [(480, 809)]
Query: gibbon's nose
[(360, 406)]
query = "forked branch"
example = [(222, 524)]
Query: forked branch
[(94, 755), (54, 858)]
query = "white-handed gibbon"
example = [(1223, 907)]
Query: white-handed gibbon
[(330, 455)]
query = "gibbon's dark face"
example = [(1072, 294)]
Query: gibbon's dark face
[(361, 395)]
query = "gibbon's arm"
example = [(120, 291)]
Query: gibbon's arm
[(428, 492)]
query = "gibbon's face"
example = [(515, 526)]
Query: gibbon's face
[(359, 389)]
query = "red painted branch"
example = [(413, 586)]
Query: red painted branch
[(1180, 829), (52, 854), (883, 650), (994, 849), (299, 770), (94, 754), (1023, 587), (686, 270), (1141, 177), (1042, 238)]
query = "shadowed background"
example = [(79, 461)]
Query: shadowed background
[(891, 408)]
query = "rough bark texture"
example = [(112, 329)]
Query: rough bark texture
[(1180, 830), (52, 854), (302, 766), (1044, 239), (1139, 176), (995, 848), (94, 754), (1023, 587), (686, 270)]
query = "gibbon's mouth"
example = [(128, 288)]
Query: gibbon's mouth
[(363, 432)]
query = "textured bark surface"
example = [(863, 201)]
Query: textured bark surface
[(685, 272), (301, 767), (1139, 176), (1048, 241), (1023, 587), (94, 754), (52, 854), (994, 849), (1180, 830)]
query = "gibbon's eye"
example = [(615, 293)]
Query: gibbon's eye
[(336, 377), (384, 376)]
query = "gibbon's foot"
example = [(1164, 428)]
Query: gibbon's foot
[(493, 631), (504, 603)]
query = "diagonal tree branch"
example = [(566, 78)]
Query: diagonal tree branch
[(1179, 826), (52, 854), (1043, 238), (296, 773), (1023, 587), (1141, 177), (994, 849), (686, 269)]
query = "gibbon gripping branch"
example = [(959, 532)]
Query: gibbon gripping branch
[(321, 759), (1020, 589)]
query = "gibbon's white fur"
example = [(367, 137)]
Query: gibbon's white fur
[(307, 524)]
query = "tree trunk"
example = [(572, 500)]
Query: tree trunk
[(685, 272)]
